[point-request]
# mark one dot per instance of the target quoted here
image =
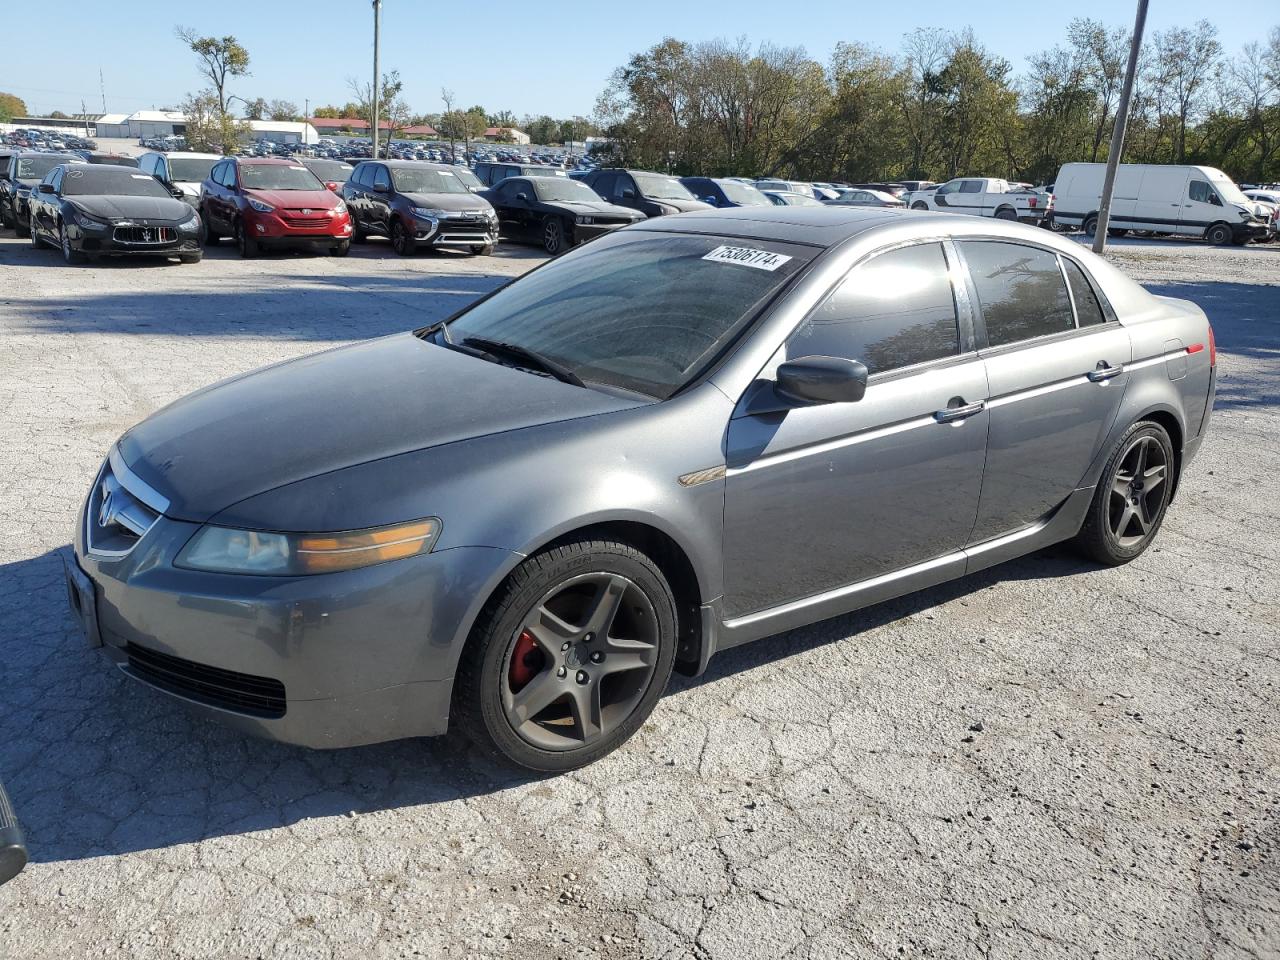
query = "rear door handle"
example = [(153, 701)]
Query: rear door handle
[(1105, 372), (951, 414)]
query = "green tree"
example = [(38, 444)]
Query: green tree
[(282, 110), (209, 127), (11, 106), (218, 60), (255, 109)]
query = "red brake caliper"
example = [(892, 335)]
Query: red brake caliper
[(526, 661)]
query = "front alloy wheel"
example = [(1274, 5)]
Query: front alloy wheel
[(570, 656), (553, 235), (68, 254), (401, 240)]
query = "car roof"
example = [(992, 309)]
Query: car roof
[(412, 164), (289, 161), (184, 153)]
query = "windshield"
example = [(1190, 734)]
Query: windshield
[(469, 179), (426, 180), (189, 169), (659, 187), (554, 189), (278, 176), (642, 312), (1227, 188), (34, 168), (90, 180), (331, 170), (742, 194)]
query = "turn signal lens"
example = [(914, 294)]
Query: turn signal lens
[(1213, 348), (225, 550)]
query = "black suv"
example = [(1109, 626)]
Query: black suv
[(418, 204), (25, 171), (491, 174), (653, 194)]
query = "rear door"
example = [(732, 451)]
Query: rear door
[(1055, 359), (824, 496)]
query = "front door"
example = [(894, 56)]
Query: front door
[(824, 496), (1056, 366)]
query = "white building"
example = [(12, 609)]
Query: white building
[(283, 131), (112, 125)]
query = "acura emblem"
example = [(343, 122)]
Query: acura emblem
[(106, 515)]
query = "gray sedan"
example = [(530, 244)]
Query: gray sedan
[(681, 437)]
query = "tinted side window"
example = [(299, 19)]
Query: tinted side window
[(603, 184), (1201, 192), (971, 186), (892, 311), (1088, 306), (1020, 289)]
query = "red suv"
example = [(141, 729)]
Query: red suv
[(271, 202)]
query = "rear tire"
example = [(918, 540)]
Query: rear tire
[(576, 581), (1132, 496), (1117, 232), (1219, 234), (919, 205), (190, 257), (1007, 214), (208, 236)]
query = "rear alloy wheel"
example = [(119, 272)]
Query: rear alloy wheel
[(401, 241), (68, 254), (1219, 235), (552, 235), (1007, 214), (1132, 496), (570, 658), (247, 245)]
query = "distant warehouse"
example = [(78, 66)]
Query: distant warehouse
[(167, 123)]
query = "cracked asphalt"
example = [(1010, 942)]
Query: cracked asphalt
[(1046, 759)]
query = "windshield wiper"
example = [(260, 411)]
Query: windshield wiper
[(517, 352)]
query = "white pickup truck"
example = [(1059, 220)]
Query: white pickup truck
[(983, 197)]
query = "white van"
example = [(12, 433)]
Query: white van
[(186, 171), (1185, 200)]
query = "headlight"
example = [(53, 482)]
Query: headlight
[(339, 210), (585, 219), (224, 550), (260, 206), (430, 213), (93, 223), (192, 222)]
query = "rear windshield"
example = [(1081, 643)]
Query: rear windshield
[(278, 176), (90, 180), (189, 169), (643, 312), (333, 171), (426, 180)]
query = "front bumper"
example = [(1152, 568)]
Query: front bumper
[(1250, 230), (334, 660), (271, 228), (455, 232), (107, 243)]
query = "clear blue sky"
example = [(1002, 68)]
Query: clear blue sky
[(546, 56)]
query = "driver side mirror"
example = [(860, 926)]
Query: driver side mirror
[(628, 194), (381, 186), (522, 197), (176, 192), (812, 380), (46, 188)]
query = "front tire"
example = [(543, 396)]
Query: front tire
[(1219, 234), (569, 657), (340, 249), (1132, 496), (68, 254), (483, 250), (190, 257), (246, 244), (401, 240), (553, 235)]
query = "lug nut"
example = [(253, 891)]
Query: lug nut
[(597, 657), (589, 637), (561, 672), (564, 646), (582, 676)]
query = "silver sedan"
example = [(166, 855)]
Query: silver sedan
[(686, 435)]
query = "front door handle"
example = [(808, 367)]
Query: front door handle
[(1105, 372), (951, 414)]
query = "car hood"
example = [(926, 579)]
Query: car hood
[(132, 208), (336, 409), (321, 199), (593, 206), (684, 206), (462, 202)]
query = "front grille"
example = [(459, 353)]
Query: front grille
[(302, 221), (145, 235), (115, 518), (240, 692)]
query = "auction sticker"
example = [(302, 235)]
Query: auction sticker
[(747, 257)]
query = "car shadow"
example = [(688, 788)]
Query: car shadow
[(98, 764)]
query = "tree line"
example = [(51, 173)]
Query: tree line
[(944, 106)]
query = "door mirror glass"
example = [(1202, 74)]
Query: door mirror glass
[(822, 380), (46, 188), (522, 197), (176, 191), (382, 186), (628, 193)]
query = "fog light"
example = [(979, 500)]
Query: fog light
[(261, 228)]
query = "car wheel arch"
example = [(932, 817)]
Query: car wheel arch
[(1148, 410)]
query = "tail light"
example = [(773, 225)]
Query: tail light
[(1032, 201), (1213, 349)]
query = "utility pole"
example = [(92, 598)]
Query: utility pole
[(377, 27), (306, 117), (1117, 135), (102, 88)]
